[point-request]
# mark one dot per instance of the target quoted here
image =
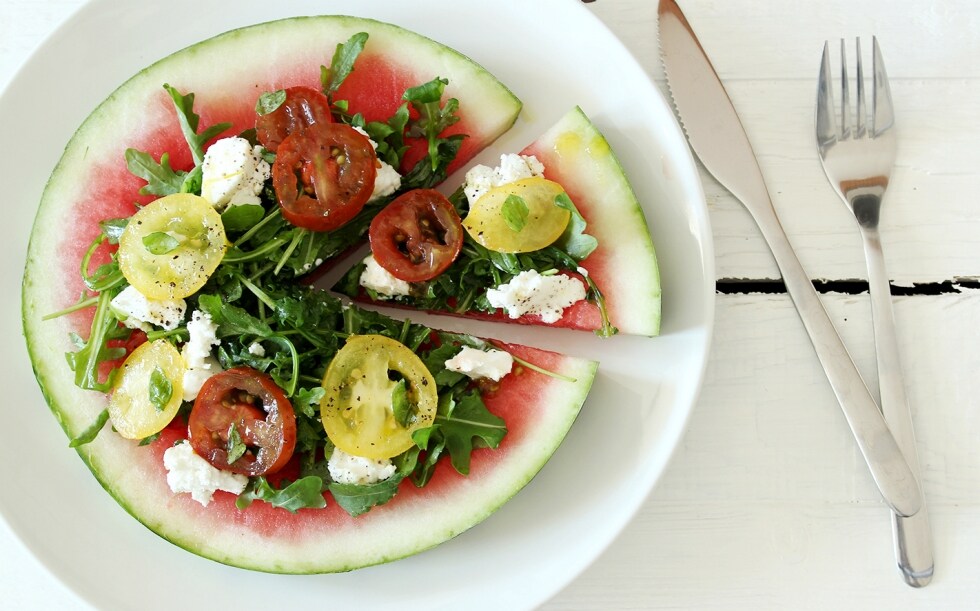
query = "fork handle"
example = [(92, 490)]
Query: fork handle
[(889, 469), (913, 541)]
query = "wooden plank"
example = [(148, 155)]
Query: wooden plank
[(929, 222), (773, 39), (767, 503)]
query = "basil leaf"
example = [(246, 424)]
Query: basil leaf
[(113, 229), (356, 499), (574, 240), (270, 101), (306, 492), (515, 211), (235, 446), (242, 217), (160, 178), (160, 243), (342, 63), (92, 431), (400, 407), (161, 390)]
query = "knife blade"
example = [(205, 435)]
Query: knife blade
[(716, 135)]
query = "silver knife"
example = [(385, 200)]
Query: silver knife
[(715, 133)]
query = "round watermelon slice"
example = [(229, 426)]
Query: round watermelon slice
[(91, 183)]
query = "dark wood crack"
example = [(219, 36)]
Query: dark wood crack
[(749, 286)]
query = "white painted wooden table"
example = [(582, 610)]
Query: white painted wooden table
[(767, 503)]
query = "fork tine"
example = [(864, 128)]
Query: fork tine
[(826, 127), (859, 128), (881, 105), (845, 94)]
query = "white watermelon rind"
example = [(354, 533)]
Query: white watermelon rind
[(578, 153), (119, 465)]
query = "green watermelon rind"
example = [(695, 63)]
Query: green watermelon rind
[(137, 485), (581, 159)]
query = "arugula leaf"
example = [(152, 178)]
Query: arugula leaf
[(184, 104), (574, 240), (161, 390), (160, 243), (232, 320), (269, 101), (160, 178), (92, 431), (306, 492), (304, 400), (342, 64), (432, 119), (390, 136), (515, 212), (85, 362), (356, 499), (235, 447), (467, 423)]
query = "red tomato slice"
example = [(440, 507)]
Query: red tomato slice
[(417, 236), (260, 412), (303, 107), (324, 176)]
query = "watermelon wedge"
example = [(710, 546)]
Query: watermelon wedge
[(623, 266), (91, 183)]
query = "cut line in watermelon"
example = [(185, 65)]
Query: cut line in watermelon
[(91, 183), (624, 266)]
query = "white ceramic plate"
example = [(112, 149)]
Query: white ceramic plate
[(553, 54)]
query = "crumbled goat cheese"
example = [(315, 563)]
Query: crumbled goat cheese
[(137, 311), (532, 293), (188, 472), (201, 364), (481, 178), (256, 349), (233, 173), (345, 468), (493, 364), (387, 180), (377, 279)]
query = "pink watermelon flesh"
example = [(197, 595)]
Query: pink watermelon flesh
[(91, 183)]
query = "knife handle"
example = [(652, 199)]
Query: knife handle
[(889, 469)]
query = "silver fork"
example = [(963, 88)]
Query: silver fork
[(858, 157)]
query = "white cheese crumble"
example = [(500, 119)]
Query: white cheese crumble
[(233, 173), (188, 472), (345, 468), (493, 364), (387, 180), (379, 280), (201, 364), (256, 349), (137, 311), (532, 293), (513, 167)]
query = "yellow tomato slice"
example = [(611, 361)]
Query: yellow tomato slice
[(521, 216), (363, 384), (171, 246), (148, 391)]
